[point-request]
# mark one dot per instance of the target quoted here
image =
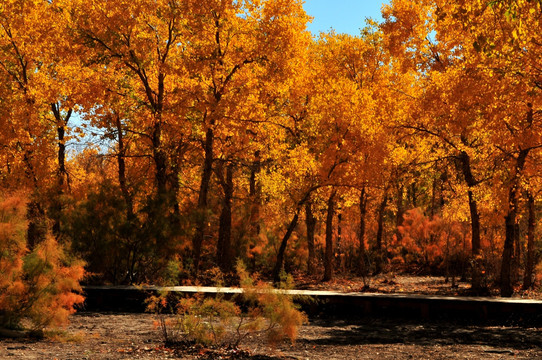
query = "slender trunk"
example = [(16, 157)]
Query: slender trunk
[(61, 123), (282, 249), (474, 220), (35, 214), (310, 222), (160, 161), (506, 281), (37, 224), (529, 263), (413, 195), (255, 198), (510, 227), (339, 252), (174, 194), (379, 234), (400, 212), (516, 257), (201, 220), (286, 237), (328, 258), (122, 170), (224, 250), (380, 223), (361, 234)]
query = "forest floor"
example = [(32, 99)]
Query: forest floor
[(111, 336), (403, 284), (103, 336)]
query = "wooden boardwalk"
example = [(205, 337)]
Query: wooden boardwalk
[(343, 305)]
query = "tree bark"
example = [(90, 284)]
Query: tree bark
[(121, 161), (361, 234), (529, 263), (339, 252), (379, 234), (61, 123), (254, 227), (328, 258), (201, 220), (224, 250), (310, 222), (282, 249), (471, 182), (400, 212), (286, 237), (510, 226)]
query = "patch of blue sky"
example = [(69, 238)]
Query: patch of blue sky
[(343, 16)]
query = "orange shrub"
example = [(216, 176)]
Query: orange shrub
[(40, 285)]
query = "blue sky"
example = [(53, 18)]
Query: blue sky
[(345, 16)]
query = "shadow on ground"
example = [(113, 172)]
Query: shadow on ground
[(398, 331)]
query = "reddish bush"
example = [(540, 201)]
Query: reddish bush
[(40, 285)]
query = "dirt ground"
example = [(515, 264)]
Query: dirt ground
[(133, 336), (103, 336), (404, 284)]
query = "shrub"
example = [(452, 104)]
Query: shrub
[(219, 321), (38, 285)]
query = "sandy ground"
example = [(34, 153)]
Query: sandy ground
[(133, 336)]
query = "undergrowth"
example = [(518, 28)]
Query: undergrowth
[(226, 322)]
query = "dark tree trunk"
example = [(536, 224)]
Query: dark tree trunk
[(339, 252), (201, 220), (122, 170), (61, 123), (37, 224), (506, 281), (282, 249), (286, 237), (400, 213), (160, 161), (511, 227), (224, 250), (529, 263), (254, 227), (328, 258), (413, 195), (310, 222), (474, 220), (379, 234), (361, 234)]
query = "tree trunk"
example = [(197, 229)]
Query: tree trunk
[(254, 227), (506, 281), (380, 223), (510, 226), (310, 222), (282, 249), (122, 170), (160, 161), (400, 212), (328, 258), (379, 234), (475, 222), (339, 252), (61, 123), (361, 234), (201, 220), (224, 251), (37, 224), (529, 263)]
